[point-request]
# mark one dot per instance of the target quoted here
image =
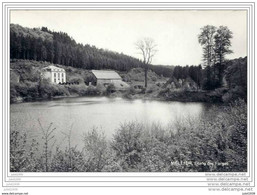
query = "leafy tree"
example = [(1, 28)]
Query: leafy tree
[(222, 44), (206, 39), (216, 43)]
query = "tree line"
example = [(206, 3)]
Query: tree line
[(194, 72), (59, 48), (42, 44), (234, 72)]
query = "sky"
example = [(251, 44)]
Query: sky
[(174, 32)]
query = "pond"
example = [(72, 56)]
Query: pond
[(82, 114)]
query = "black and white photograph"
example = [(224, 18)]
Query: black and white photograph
[(128, 91), (128, 98)]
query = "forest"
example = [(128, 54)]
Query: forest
[(59, 48)]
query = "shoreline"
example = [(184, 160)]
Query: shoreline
[(185, 96)]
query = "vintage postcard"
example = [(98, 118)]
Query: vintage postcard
[(128, 93)]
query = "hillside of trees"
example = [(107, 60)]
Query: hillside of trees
[(59, 48)]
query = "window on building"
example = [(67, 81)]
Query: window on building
[(58, 75), (62, 74), (54, 74), (62, 80), (55, 80)]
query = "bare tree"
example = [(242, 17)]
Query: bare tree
[(147, 49)]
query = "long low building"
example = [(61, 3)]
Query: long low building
[(106, 77)]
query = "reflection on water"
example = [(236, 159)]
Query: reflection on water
[(104, 113)]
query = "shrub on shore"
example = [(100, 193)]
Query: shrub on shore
[(80, 89), (28, 91), (49, 90)]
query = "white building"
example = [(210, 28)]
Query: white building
[(54, 74)]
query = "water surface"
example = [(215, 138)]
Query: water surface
[(105, 114)]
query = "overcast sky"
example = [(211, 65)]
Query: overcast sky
[(175, 32)]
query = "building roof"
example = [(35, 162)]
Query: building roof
[(53, 68), (106, 74)]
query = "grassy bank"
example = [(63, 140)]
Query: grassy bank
[(214, 142), (26, 83)]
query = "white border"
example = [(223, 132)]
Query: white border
[(120, 179)]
